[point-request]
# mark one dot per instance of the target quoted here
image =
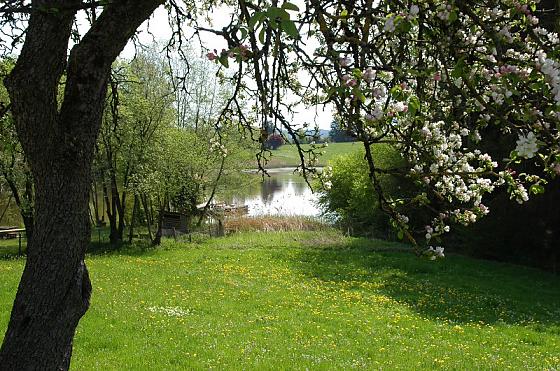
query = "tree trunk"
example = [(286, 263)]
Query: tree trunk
[(147, 214), (111, 214), (95, 204), (54, 290), (157, 238), (50, 302), (28, 222), (133, 218)]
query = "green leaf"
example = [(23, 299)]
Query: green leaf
[(289, 28), (396, 91), (243, 33), (459, 69), (358, 93), (275, 12), (255, 19), (536, 189), (224, 61), (290, 6), (344, 13), (262, 35), (332, 91), (413, 105), (453, 17), (403, 26)]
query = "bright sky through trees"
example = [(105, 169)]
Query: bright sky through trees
[(157, 29)]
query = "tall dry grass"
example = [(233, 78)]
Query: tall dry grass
[(272, 224)]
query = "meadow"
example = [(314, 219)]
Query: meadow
[(287, 155), (307, 300)]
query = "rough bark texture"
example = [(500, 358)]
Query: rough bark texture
[(55, 289)]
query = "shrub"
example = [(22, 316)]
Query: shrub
[(351, 196)]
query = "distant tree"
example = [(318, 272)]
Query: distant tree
[(274, 141), (139, 105), (338, 134)]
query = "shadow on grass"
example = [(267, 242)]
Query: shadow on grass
[(455, 289), (136, 248)]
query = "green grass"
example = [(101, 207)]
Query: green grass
[(308, 300), (287, 155)]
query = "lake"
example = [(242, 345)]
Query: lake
[(283, 193)]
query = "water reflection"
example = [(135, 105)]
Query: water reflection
[(283, 193)]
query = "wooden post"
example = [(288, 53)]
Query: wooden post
[(19, 244)]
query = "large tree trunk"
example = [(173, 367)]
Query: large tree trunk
[(54, 290)]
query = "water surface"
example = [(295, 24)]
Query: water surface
[(283, 193)]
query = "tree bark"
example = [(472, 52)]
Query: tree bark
[(54, 290), (147, 214), (133, 218)]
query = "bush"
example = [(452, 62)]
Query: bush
[(351, 196)]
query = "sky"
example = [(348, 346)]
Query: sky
[(159, 30)]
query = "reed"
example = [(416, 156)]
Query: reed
[(273, 224)]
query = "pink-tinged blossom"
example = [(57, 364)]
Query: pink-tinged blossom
[(400, 107), (378, 92), (389, 25), (369, 75), (347, 80), (556, 168), (346, 61), (375, 115), (211, 56)]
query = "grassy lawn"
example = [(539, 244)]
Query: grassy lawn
[(287, 155), (314, 300)]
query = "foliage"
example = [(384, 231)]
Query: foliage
[(139, 108), (338, 134), (158, 144), (350, 196)]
